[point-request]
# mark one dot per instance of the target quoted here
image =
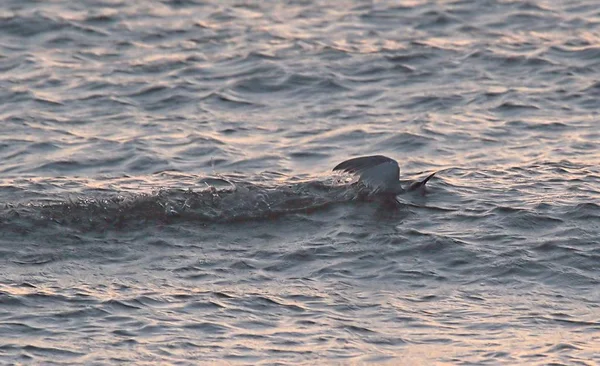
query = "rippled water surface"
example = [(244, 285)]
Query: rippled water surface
[(166, 193)]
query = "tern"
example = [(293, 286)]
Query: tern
[(381, 174)]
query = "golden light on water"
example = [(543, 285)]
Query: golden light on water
[(167, 194)]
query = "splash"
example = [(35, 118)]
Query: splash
[(216, 200)]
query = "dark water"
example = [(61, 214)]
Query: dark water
[(166, 193)]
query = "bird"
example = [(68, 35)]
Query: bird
[(381, 174)]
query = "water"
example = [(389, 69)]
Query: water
[(167, 197)]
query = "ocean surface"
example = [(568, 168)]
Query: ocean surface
[(167, 194)]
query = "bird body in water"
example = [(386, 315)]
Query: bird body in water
[(381, 174)]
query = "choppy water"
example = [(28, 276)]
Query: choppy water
[(166, 193)]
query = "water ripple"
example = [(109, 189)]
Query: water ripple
[(166, 191)]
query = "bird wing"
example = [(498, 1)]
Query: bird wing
[(377, 172)]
